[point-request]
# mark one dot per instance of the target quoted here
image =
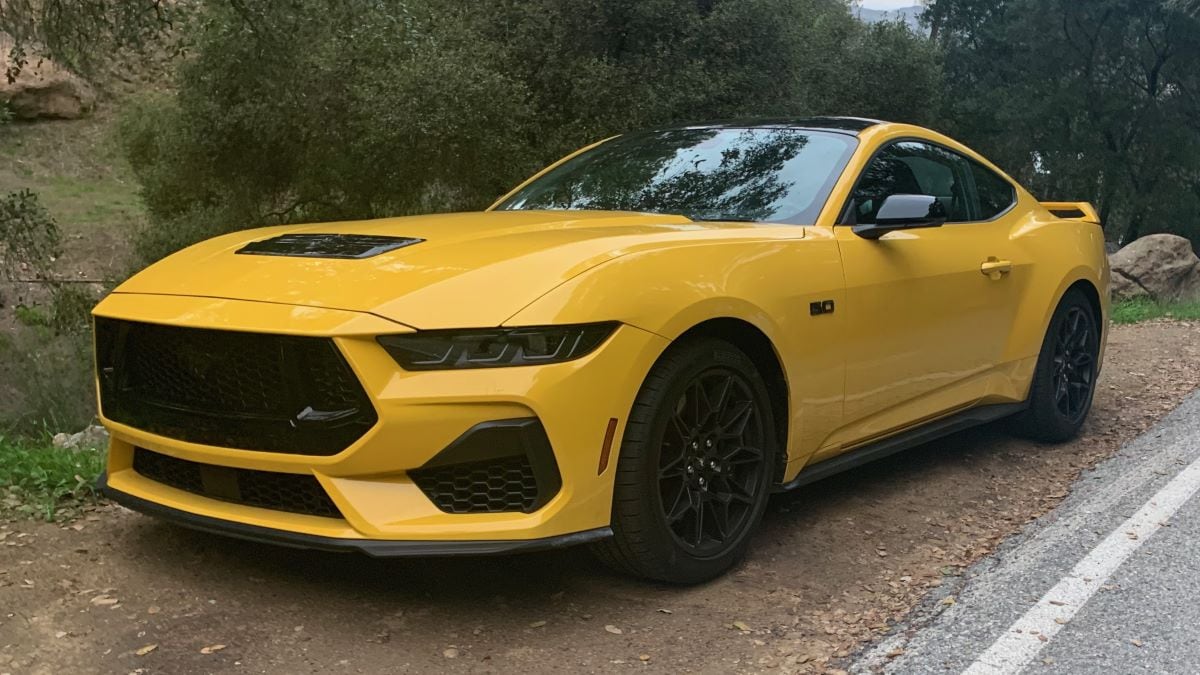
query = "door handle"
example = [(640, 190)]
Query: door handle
[(995, 268)]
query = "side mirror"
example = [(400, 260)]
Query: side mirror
[(903, 212)]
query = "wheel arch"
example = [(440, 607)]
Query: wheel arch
[(755, 343), (1093, 297)]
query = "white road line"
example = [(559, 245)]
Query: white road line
[(1027, 635)]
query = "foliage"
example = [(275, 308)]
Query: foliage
[(40, 480), (323, 109), (1095, 100), (49, 375), (82, 33), (43, 360), (29, 237), (1143, 309)]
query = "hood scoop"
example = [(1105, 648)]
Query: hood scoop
[(346, 246)]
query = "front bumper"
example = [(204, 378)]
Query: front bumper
[(373, 547), (384, 512)]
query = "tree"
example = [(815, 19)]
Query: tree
[(80, 34), (327, 109), (1094, 100)]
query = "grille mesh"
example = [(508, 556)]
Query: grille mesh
[(493, 486), (248, 391), (293, 493), (239, 373)]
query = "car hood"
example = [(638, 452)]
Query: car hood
[(469, 270)]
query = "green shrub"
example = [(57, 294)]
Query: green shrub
[(332, 109), (29, 237), (46, 380)]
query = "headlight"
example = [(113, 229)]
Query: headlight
[(495, 347)]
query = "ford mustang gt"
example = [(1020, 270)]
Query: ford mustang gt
[(633, 349)]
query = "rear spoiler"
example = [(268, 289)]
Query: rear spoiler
[(1073, 211)]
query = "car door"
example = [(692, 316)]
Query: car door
[(928, 311)]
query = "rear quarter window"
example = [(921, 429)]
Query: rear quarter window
[(996, 195)]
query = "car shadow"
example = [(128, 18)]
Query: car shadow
[(801, 517)]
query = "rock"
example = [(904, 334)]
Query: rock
[(1160, 266), (91, 437), (43, 89)]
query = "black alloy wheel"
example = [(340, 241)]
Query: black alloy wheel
[(1064, 380), (697, 461), (712, 460), (1074, 363)]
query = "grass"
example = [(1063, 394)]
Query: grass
[(42, 481), (77, 170), (1143, 309)]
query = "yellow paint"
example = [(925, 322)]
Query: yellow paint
[(927, 322)]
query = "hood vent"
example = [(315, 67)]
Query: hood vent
[(348, 246)]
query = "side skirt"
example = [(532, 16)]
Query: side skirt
[(904, 440)]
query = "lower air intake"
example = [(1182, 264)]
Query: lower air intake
[(294, 493)]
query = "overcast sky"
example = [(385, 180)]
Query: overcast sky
[(889, 4)]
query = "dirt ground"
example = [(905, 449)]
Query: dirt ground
[(833, 565)]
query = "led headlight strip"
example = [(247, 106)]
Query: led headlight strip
[(495, 347)]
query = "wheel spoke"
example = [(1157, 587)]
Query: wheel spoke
[(720, 518), (737, 492), (699, 509), (681, 429), (674, 468), (681, 506), (743, 454), (723, 398), (735, 427)]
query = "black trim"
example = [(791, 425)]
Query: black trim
[(339, 246), (379, 548), (292, 492), (851, 125), (263, 392), (902, 441), (1069, 213), (509, 446), (848, 215)]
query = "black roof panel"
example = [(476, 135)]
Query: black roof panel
[(848, 124)]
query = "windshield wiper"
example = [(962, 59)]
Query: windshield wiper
[(724, 220)]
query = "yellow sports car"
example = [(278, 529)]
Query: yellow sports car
[(633, 349)]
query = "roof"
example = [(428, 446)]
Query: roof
[(851, 125)]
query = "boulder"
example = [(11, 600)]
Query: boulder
[(93, 437), (43, 89), (1160, 266)]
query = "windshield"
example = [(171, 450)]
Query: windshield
[(747, 174)]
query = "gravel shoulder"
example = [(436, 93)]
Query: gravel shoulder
[(835, 566)]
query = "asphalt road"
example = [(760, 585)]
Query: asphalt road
[(1106, 583)]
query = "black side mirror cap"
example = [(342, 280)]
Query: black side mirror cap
[(904, 212)]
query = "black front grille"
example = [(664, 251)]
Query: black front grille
[(481, 487), (250, 391), (289, 492)]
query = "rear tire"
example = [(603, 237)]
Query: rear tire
[(1065, 378), (695, 466)]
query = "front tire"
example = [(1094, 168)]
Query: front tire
[(1065, 379), (695, 466)]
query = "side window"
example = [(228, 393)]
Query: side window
[(995, 193), (912, 167)]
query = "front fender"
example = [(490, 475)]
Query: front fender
[(768, 283)]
